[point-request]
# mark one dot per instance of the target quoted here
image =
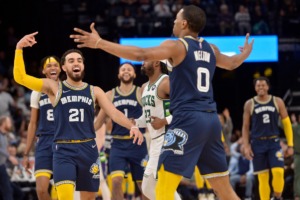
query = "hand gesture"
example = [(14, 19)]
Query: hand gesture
[(248, 152), (247, 48), (27, 41), (157, 123), (86, 39), (138, 136)]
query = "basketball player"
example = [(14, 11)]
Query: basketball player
[(75, 152), (123, 152), (41, 125), (263, 145), (156, 116), (193, 137)]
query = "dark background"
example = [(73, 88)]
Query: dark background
[(231, 88)]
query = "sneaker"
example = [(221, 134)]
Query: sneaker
[(275, 198), (202, 196), (210, 196)]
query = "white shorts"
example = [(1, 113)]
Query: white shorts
[(154, 152)]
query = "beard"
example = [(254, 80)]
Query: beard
[(147, 71), (130, 80), (77, 77)]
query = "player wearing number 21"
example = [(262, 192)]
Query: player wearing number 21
[(75, 151)]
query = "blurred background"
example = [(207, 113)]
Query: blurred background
[(55, 20)]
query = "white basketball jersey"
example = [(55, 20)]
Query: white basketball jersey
[(154, 106)]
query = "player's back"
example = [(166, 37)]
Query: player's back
[(264, 118), (191, 80), (74, 113)]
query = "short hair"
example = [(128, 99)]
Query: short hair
[(128, 63), (262, 78), (163, 67), (63, 58), (195, 17), (43, 61)]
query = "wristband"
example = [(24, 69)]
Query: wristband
[(97, 42), (169, 119), (134, 127)]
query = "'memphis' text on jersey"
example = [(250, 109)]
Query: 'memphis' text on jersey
[(83, 99), (125, 102), (264, 108)]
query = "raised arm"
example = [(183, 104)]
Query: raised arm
[(19, 72), (167, 50), (232, 62)]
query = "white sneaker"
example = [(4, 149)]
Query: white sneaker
[(202, 196), (210, 196)]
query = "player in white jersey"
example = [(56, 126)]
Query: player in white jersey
[(156, 116)]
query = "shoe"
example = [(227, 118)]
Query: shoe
[(202, 196), (210, 196), (275, 198)]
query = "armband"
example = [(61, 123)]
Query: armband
[(169, 119)]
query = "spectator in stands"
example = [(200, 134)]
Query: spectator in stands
[(126, 24), (243, 20), (225, 20), (241, 172), (6, 189)]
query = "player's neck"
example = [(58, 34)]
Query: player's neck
[(125, 88), (154, 77), (74, 83), (263, 98)]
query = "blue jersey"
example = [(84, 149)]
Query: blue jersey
[(190, 81), (129, 105), (264, 119), (74, 112), (46, 119)]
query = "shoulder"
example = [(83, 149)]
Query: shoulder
[(143, 86), (279, 101), (248, 104)]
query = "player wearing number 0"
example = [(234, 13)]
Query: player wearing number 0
[(75, 152), (41, 125), (194, 134), (123, 152)]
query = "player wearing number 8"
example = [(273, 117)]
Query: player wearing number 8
[(42, 125)]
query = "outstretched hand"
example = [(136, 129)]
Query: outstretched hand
[(86, 39), (27, 41), (247, 48)]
